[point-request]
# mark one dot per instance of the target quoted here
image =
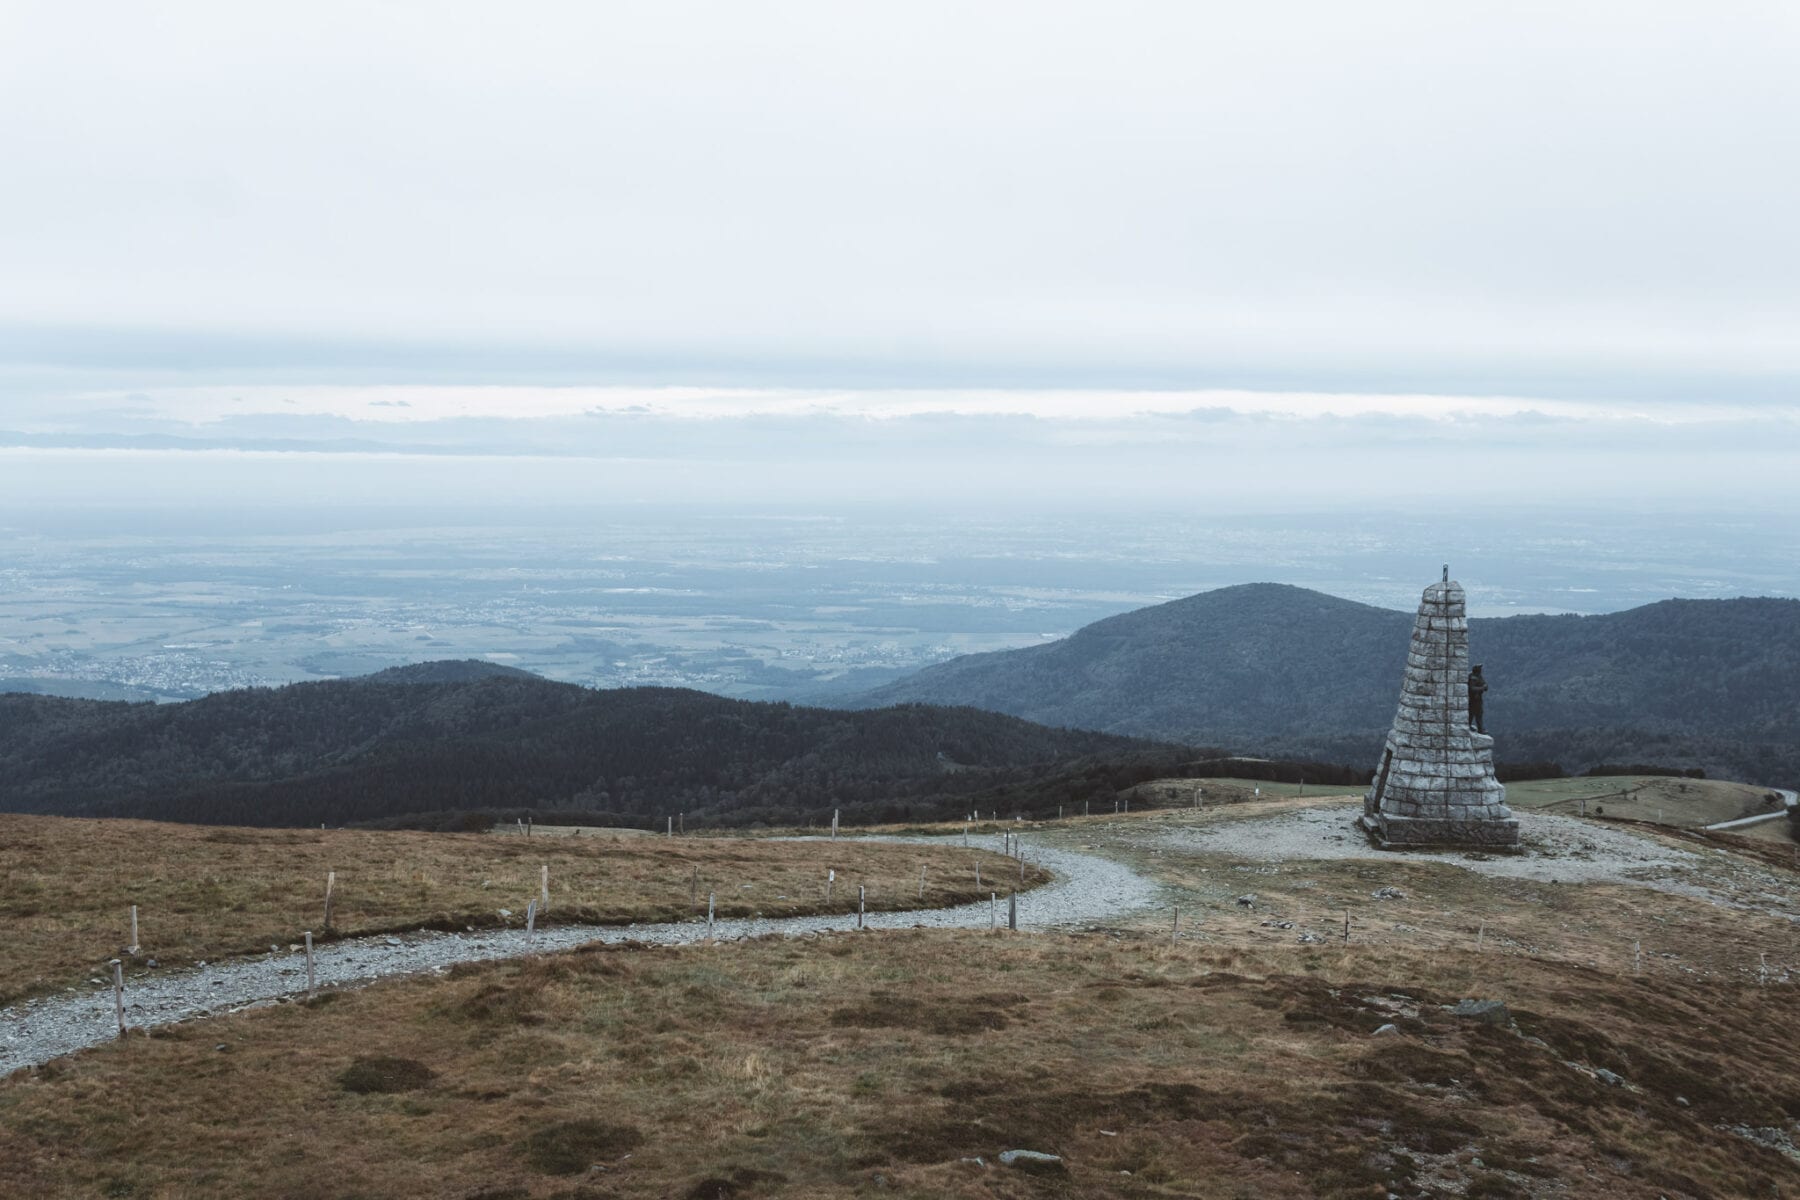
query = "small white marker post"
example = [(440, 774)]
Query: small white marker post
[(921, 885), (830, 882), (965, 835), (671, 830), (330, 886), (119, 994), (531, 919), (862, 896), (134, 932), (1059, 809), (544, 887), (1128, 804), (312, 983), (1115, 806), (681, 823), (1084, 808), (834, 821), (712, 899)]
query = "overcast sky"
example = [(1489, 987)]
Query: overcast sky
[(1242, 233)]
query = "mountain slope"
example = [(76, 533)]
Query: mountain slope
[(376, 747), (1278, 669)]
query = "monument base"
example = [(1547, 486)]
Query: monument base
[(1436, 833)]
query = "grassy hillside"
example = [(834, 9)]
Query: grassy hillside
[(1233, 1061), (67, 886), (1267, 668), (366, 749)]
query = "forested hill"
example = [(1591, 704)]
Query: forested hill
[(1273, 669), (449, 737)]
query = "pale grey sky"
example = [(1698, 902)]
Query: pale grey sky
[(1583, 202)]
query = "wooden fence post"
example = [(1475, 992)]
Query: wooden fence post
[(1175, 929), (921, 885), (670, 831), (834, 821), (119, 994), (1346, 927), (531, 919), (712, 900), (1012, 910), (993, 910), (330, 886), (312, 983), (134, 932), (544, 887), (862, 896), (694, 887)]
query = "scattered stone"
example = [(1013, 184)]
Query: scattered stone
[(393, 941), (1033, 1162), (1388, 893), (505, 913), (1277, 924), (1610, 1078), (1488, 1012), (1310, 939), (1248, 900), (976, 1161), (1386, 1031), (1682, 1100)]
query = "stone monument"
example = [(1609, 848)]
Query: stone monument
[(1435, 784)]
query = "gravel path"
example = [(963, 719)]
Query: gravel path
[(1087, 889), (1563, 849)]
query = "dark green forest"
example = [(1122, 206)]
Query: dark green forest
[(434, 742), (1286, 672)]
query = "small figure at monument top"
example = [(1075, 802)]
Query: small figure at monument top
[(1435, 785)]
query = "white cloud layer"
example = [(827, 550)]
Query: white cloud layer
[(1443, 197)]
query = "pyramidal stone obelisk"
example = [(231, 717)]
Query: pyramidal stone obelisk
[(1435, 785)]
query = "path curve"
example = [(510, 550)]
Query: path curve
[(1789, 799), (1087, 889)]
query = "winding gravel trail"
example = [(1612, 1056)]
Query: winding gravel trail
[(1087, 889)]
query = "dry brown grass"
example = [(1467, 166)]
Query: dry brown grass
[(856, 1063), (67, 886), (1446, 907)]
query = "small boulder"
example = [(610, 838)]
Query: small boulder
[(1610, 1078), (1488, 1012), (1248, 900), (1388, 1030), (1388, 893), (1034, 1162)]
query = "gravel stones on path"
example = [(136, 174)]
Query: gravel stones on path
[(1087, 889), (1559, 849)]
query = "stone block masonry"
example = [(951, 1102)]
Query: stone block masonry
[(1435, 784)]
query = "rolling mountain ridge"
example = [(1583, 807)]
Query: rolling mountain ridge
[(456, 737), (1280, 670)]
